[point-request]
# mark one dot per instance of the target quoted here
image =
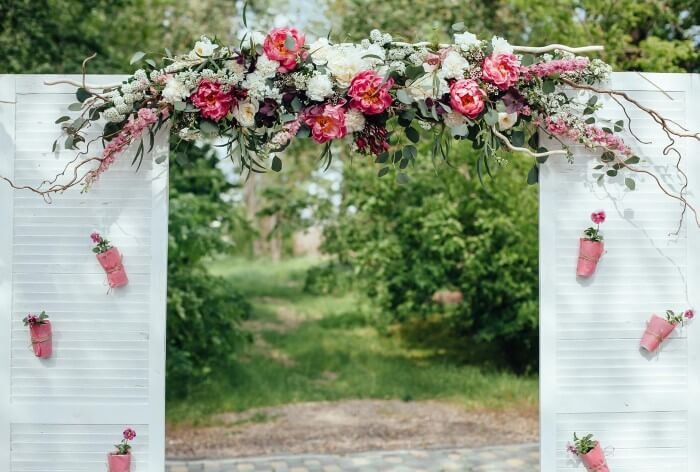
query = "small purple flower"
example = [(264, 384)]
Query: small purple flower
[(129, 434), (96, 238)]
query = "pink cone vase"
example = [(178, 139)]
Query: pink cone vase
[(594, 460), (589, 253), (111, 262), (657, 330), (41, 339), (119, 462)]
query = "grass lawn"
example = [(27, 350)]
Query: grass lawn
[(322, 347)]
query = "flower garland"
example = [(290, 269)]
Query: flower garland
[(376, 96)]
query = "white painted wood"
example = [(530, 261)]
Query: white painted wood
[(108, 367), (593, 377)]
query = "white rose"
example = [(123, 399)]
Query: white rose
[(453, 66), (501, 46), (374, 50), (424, 87), (319, 51), (345, 63), (466, 40), (265, 67), (245, 112), (319, 87), (203, 48), (175, 91), (506, 120), (354, 121)]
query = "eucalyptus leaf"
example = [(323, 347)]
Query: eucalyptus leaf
[(75, 106), (383, 171), (402, 178), (630, 183), (82, 94), (137, 57), (412, 134), (276, 164), (403, 96), (62, 119), (533, 176)]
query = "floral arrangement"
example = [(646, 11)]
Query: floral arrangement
[(379, 96), (111, 261), (120, 461), (658, 328), (40, 334), (591, 246), (589, 451)]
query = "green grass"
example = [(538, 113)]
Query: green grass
[(323, 347)]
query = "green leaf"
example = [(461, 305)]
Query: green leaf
[(208, 127), (412, 134), (382, 158), (542, 159), (69, 143), (410, 151), (82, 94), (383, 171), (599, 166), (533, 176), (491, 117), (62, 119), (528, 60), (137, 57), (630, 183), (593, 100), (607, 156), (402, 178), (619, 125), (296, 104), (517, 138), (632, 160), (276, 164), (75, 106), (548, 86), (289, 42), (459, 26), (590, 120), (403, 96), (151, 63), (611, 173), (55, 145), (180, 106)]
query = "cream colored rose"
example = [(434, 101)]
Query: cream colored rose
[(345, 63), (424, 87), (354, 121), (204, 48), (245, 112), (506, 120), (319, 51)]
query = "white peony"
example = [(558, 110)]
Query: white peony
[(266, 68), (319, 51), (501, 46), (319, 87), (453, 66), (203, 48), (506, 120), (354, 121), (245, 112), (175, 91), (345, 63), (466, 40)]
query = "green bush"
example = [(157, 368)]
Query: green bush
[(444, 231), (204, 311)]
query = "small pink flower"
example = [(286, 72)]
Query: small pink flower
[(598, 217), (212, 102), (129, 434), (326, 121), (275, 48), (502, 70), (96, 238), (433, 59), (467, 98), (689, 314), (367, 93)]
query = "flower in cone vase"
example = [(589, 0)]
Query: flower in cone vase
[(40, 335), (658, 328), (589, 254), (111, 262), (594, 460), (119, 462)]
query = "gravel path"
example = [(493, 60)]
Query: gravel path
[(350, 426), (522, 458)]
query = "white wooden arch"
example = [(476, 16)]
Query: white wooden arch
[(593, 379), (65, 414)]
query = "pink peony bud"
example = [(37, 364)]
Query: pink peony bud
[(689, 314), (129, 434), (598, 217)]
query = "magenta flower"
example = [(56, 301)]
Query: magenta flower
[(129, 434), (598, 217), (96, 238), (689, 314)]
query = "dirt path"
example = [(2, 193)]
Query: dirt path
[(350, 426)]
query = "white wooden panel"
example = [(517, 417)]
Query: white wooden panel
[(107, 368), (593, 377)]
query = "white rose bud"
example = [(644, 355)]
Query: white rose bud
[(506, 120)]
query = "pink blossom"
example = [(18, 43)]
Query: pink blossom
[(96, 238), (557, 66), (369, 92), (433, 59), (212, 101), (467, 98), (326, 121), (689, 314), (598, 217), (129, 434), (502, 70), (275, 48)]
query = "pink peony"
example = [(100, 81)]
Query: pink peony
[(275, 48), (598, 217), (502, 70), (367, 93), (467, 98), (689, 314), (129, 434), (212, 102), (326, 121)]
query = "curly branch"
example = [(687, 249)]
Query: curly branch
[(510, 146)]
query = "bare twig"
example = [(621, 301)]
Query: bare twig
[(510, 146)]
